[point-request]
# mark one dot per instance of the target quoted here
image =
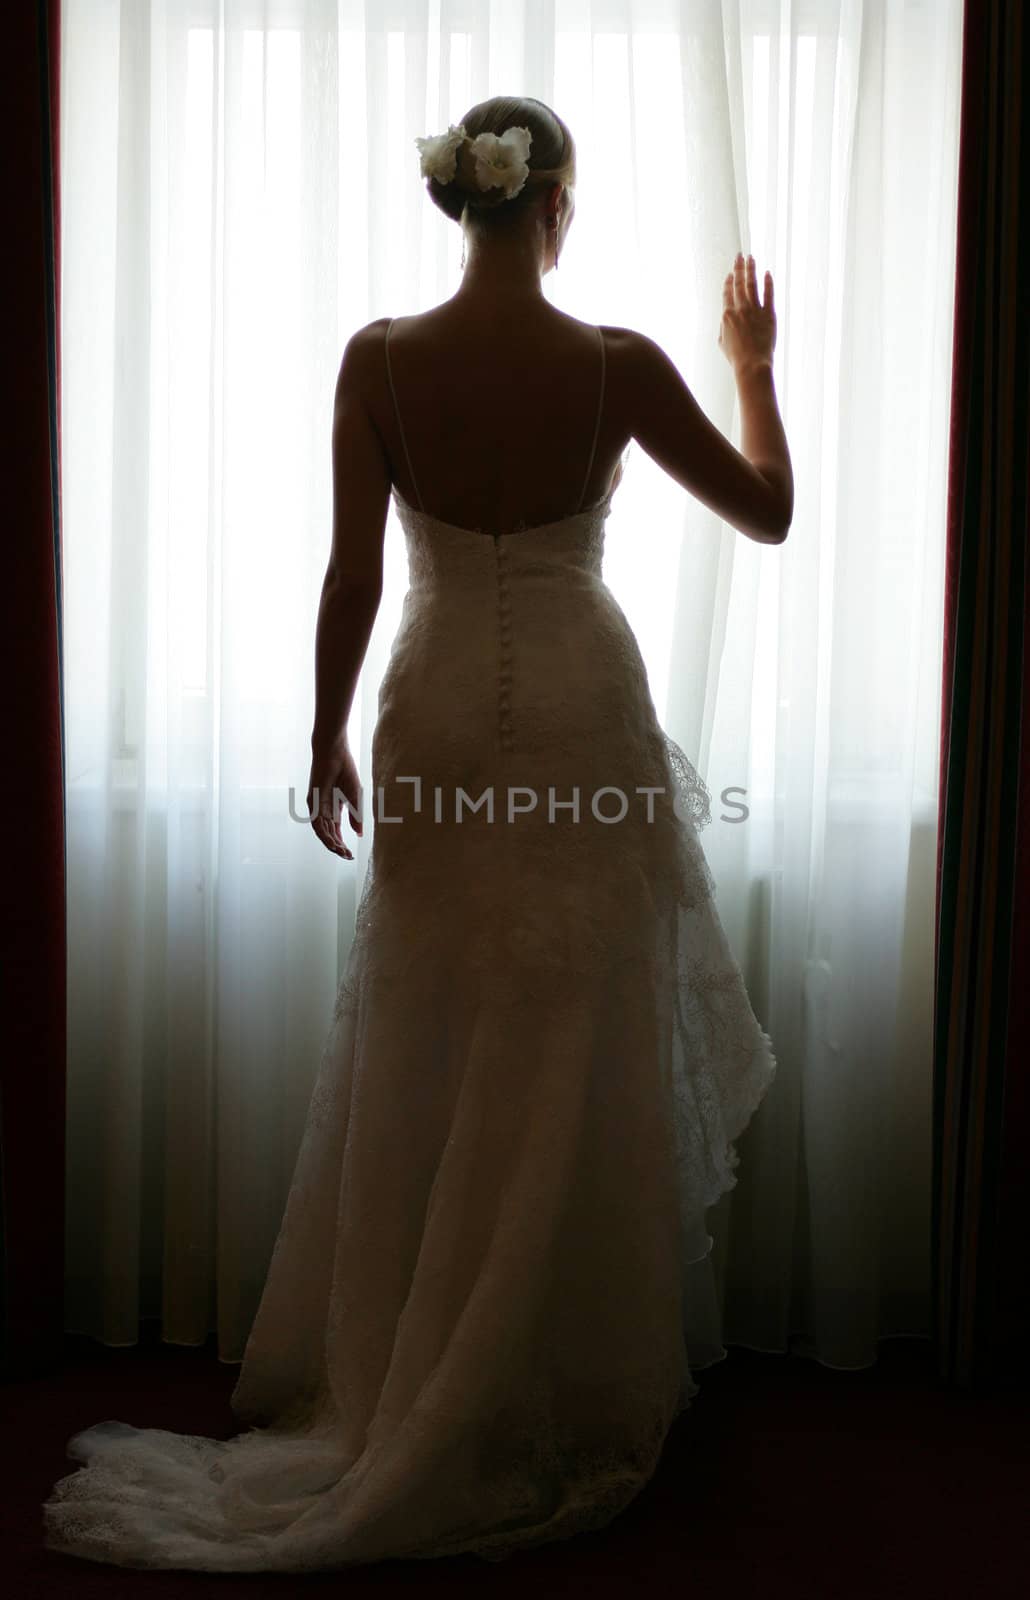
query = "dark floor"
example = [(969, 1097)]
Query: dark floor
[(783, 1478)]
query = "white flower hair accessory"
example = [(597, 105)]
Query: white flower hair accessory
[(439, 153), (499, 159)]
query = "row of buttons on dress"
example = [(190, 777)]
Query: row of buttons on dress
[(504, 614)]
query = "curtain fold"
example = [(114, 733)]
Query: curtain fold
[(241, 191), (981, 1130), (32, 927)]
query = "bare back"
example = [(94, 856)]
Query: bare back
[(524, 423), (499, 421)]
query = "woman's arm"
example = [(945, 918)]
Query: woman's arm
[(346, 615)]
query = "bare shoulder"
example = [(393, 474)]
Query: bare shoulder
[(364, 340), (360, 354), (620, 345), (630, 373), (637, 354), (616, 340)]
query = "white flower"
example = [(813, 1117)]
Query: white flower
[(501, 160), (440, 153)]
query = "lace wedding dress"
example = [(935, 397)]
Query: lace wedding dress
[(472, 1334)]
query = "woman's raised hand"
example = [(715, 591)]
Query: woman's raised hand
[(747, 334)]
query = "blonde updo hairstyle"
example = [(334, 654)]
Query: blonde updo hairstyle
[(552, 159)]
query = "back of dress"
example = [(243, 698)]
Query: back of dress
[(476, 1326), (514, 716)]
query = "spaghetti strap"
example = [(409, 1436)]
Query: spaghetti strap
[(597, 424), (397, 414)]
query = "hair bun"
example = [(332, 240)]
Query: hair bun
[(473, 169)]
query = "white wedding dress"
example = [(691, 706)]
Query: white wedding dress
[(472, 1335)]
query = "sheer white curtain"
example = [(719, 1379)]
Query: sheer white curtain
[(240, 191)]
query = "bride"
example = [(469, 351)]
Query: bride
[(474, 1334)]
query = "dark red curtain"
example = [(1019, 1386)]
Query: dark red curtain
[(32, 929), (981, 1099)]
